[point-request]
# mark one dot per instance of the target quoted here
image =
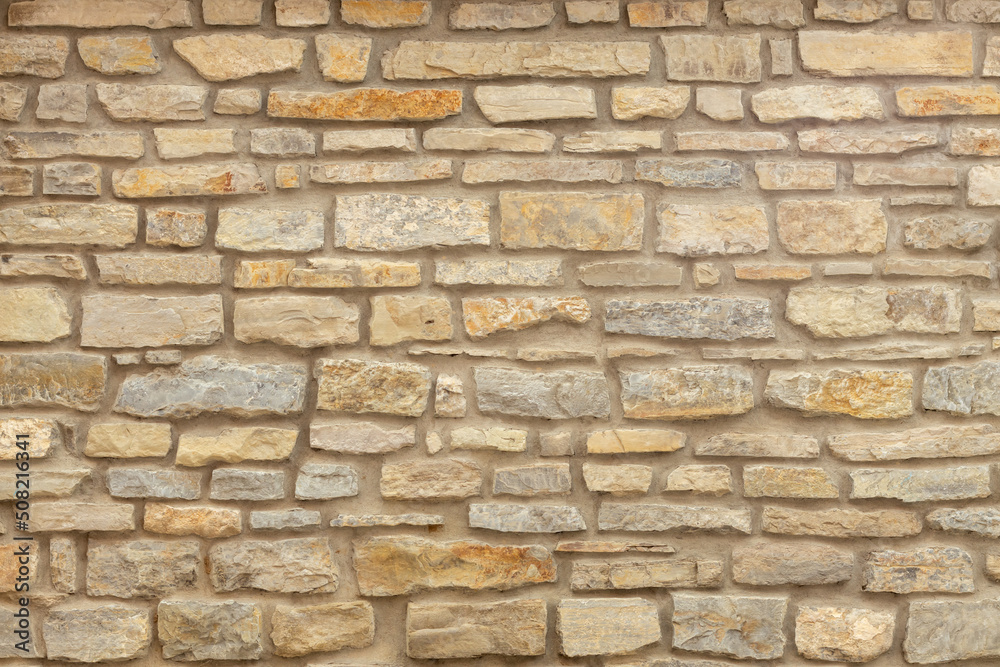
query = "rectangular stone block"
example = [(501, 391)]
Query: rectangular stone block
[(51, 517), (788, 482), (925, 570), (174, 144), (689, 573), (828, 227), (145, 321), (188, 181), (405, 222), (867, 142), (601, 626), (369, 386), (777, 564), (207, 522), (510, 104), (360, 438), (191, 630), (380, 172), (112, 225), (733, 58), (694, 392), (37, 55), (674, 173), (109, 633), (911, 176), (942, 631), (301, 321), (864, 53), (697, 318), (652, 518), (634, 441), (235, 484), (364, 104), (691, 230), (442, 630), (533, 480), (141, 568), (155, 14), (561, 171), (828, 103), (843, 312), (860, 394), (303, 565), (737, 627), (796, 175), (575, 221), (550, 395), (159, 269), (66, 379), (950, 100), (841, 523), (160, 103), (332, 626), (526, 272), (163, 484), (924, 443), (914, 486)]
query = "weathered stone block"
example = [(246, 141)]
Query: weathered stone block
[(342, 58), (699, 317), (404, 222), (97, 634), (942, 631), (146, 321), (141, 569), (599, 626), (776, 564), (843, 633), (829, 227), (829, 103), (843, 523), (696, 392), (577, 221), (303, 565), (208, 522), (550, 395), (376, 104), (510, 104), (332, 626), (449, 479), (736, 627), (163, 484), (926, 570), (674, 173), (862, 53), (192, 630), (652, 518), (733, 58), (442, 630), (912, 486), (509, 518), (66, 379)]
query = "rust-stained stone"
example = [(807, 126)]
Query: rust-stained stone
[(842, 633), (188, 181), (263, 274), (488, 315), (439, 480), (696, 392), (343, 58), (443, 630), (685, 573), (865, 394), (954, 100), (208, 522), (576, 221), (352, 385), (222, 57), (154, 14), (386, 13), (119, 55), (378, 104), (845, 523), (397, 565), (10, 555), (668, 13), (64, 379)]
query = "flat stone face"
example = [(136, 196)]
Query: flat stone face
[(40, 56), (913, 486), (652, 518), (588, 576), (786, 14), (488, 139), (145, 321), (363, 141), (369, 386), (496, 438), (90, 517), (984, 522), (561, 171), (696, 392), (97, 634), (496, 16), (128, 440), (861, 394), (193, 388), (577, 221), (926, 570), (844, 312), (776, 564), (635, 102), (377, 104), (644, 274), (222, 57), (303, 565), (237, 101), (736, 627), (669, 14), (155, 14), (65, 379), (302, 321), (324, 627), (712, 58), (323, 481), (173, 144), (983, 183), (233, 445), (941, 631), (127, 145), (867, 142), (159, 269), (829, 103), (231, 12), (443, 630), (381, 14), (924, 443), (12, 100), (360, 438), (744, 142), (448, 479), (293, 519), (692, 230), (855, 11), (188, 181), (699, 317), (255, 230), (193, 631), (963, 390), (915, 176), (618, 479), (840, 633), (119, 55), (830, 227), (141, 569), (510, 104), (381, 172), (847, 523), (701, 479), (689, 173), (331, 273), (166, 227), (404, 222), (71, 178), (62, 101), (788, 482), (343, 58), (796, 176), (508, 518), (17, 181), (485, 316), (166, 484), (44, 436), (629, 441), (939, 53), (476, 60), (208, 522), (599, 626), (397, 565), (112, 225), (550, 395), (396, 319), (33, 314), (613, 142), (935, 233), (124, 102), (235, 484), (542, 479), (592, 11), (954, 100), (56, 266)]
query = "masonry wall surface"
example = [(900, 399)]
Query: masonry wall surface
[(378, 332)]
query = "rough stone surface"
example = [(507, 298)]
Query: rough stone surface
[(324, 627), (829, 227), (843, 523), (842, 633), (164, 484), (697, 392), (764, 564), (550, 395), (302, 321), (365, 104), (736, 627), (926, 570), (835, 53), (533, 480), (195, 631), (303, 565), (509, 104), (525, 518), (360, 438), (599, 626), (404, 222), (843, 312), (363, 386), (861, 394), (444, 630), (102, 634), (712, 58), (701, 230), (913, 486), (651, 518), (66, 379), (157, 103), (205, 522), (450, 479), (941, 631), (142, 569), (699, 317), (823, 102), (578, 221), (112, 225)]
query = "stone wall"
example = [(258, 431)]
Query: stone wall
[(381, 331)]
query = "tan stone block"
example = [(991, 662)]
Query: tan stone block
[(301, 13), (617, 480), (119, 55), (188, 181), (984, 185), (830, 227), (862, 394), (154, 14), (855, 11), (841, 523), (41, 56), (796, 175), (628, 441), (302, 321), (592, 11), (498, 16), (146, 321), (127, 440), (332, 626), (578, 221), (485, 316), (788, 482), (443, 630), (737, 142), (733, 58), (33, 314), (635, 102), (207, 522), (386, 13), (668, 13), (953, 100), (343, 58), (159, 269), (694, 392), (50, 517), (172, 144), (706, 480), (376, 104), (262, 274), (839, 633), (939, 53), (829, 103), (771, 272), (396, 319), (785, 14), (234, 445), (509, 104), (352, 385), (398, 171), (701, 230), (224, 57)]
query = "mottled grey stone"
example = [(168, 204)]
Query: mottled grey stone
[(912, 486), (760, 445), (698, 317), (652, 518), (141, 569), (737, 627), (141, 483), (384, 222), (533, 480), (125, 102), (97, 634), (233, 484), (442, 630), (926, 570), (191, 630), (303, 565), (963, 390), (386, 520), (981, 521), (695, 392), (665, 573), (282, 142), (525, 518), (946, 231), (360, 438), (323, 481), (128, 145), (261, 230), (776, 564), (552, 395), (62, 101), (71, 178), (293, 519), (214, 385), (942, 631), (600, 626), (709, 173)]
